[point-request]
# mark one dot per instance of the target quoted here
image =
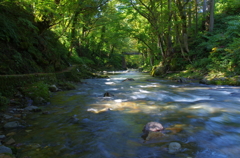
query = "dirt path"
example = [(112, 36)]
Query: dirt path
[(40, 73)]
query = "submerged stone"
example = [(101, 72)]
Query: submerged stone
[(154, 135), (174, 147)]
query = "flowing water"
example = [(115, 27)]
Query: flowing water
[(82, 123)]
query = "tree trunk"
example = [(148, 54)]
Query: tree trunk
[(204, 15), (196, 17), (189, 16), (184, 22), (73, 33), (211, 15)]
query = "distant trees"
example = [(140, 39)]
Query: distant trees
[(169, 25), (162, 30)]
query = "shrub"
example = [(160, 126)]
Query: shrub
[(3, 102), (38, 92)]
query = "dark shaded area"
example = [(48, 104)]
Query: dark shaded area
[(27, 47)]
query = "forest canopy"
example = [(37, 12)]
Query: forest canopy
[(170, 35)]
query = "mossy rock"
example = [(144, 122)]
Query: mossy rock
[(38, 92), (3, 103), (157, 71)]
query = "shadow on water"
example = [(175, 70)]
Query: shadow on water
[(84, 124)]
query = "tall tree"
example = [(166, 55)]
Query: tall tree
[(211, 23), (204, 14)]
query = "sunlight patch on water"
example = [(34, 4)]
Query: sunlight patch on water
[(98, 110), (171, 107), (174, 86), (109, 83), (111, 89), (202, 108), (147, 86), (120, 100), (125, 107), (144, 91)]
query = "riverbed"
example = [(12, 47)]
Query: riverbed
[(82, 123)]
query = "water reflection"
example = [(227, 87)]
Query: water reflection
[(203, 119)]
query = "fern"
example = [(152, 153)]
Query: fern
[(27, 23), (8, 30)]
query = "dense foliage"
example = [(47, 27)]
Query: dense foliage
[(171, 35), (24, 49), (218, 52)]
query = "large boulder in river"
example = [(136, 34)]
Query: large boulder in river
[(150, 128), (153, 135)]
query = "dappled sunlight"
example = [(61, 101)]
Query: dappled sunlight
[(111, 89), (126, 107), (150, 86), (120, 100), (109, 83), (202, 108), (177, 128), (170, 107), (144, 91)]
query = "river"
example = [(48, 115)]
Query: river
[(82, 123)]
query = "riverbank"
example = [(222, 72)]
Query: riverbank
[(27, 89), (31, 97), (211, 78)]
